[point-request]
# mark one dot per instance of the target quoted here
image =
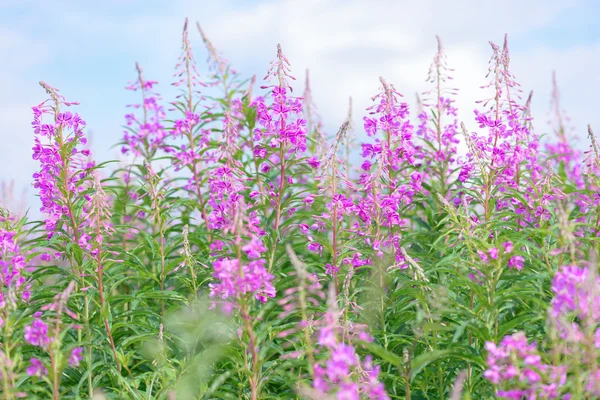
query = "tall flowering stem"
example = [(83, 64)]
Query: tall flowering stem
[(440, 143), (63, 176), (282, 134), (508, 145), (559, 148), (228, 180), (49, 337), (308, 288), (240, 273), (189, 155), (156, 192), (98, 216), (275, 121), (223, 75), (144, 134), (339, 205), (314, 125), (63, 165), (343, 374), (238, 281), (14, 291), (386, 185)]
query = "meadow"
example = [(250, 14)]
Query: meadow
[(240, 250)]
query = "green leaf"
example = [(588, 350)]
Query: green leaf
[(418, 363)]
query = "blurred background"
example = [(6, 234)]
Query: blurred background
[(88, 50)]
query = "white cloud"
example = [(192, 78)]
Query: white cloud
[(348, 44), (578, 83)]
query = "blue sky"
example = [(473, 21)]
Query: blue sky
[(89, 49)]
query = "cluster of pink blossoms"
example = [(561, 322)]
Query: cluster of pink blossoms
[(13, 285), (576, 303), (145, 132), (440, 141), (343, 375), (235, 277), (96, 217), (508, 141), (387, 181), (514, 261), (396, 148), (516, 365), (37, 334), (509, 151), (188, 80), (448, 140), (235, 280), (282, 123), (278, 129), (189, 155), (226, 181), (63, 165)]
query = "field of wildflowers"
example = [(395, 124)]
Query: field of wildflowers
[(240, 251)]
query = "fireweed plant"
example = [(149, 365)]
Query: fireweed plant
[(239, 250)]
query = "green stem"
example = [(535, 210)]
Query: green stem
[(88, 347)]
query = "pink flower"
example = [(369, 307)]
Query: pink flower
[(254, 248), (370, 126), (315, 247), (313, 162), (348, 391), (36, 368), (327, 337), (493, 252), (516, 262), (330, 269), (482, 256), (231, 284), (37, 333), (76, 356)]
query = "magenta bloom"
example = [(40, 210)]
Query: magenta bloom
[(231, 285), (281, 123), (516, 262), (12, 265), (145, 133), (58, 151), (335, 378), (315, 247), (36, 368), (575, 295), (254, 248), (330, 269), (508, 247), (516, 367), (37, 333), (76, 356), (493, 252), (348, 391)]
